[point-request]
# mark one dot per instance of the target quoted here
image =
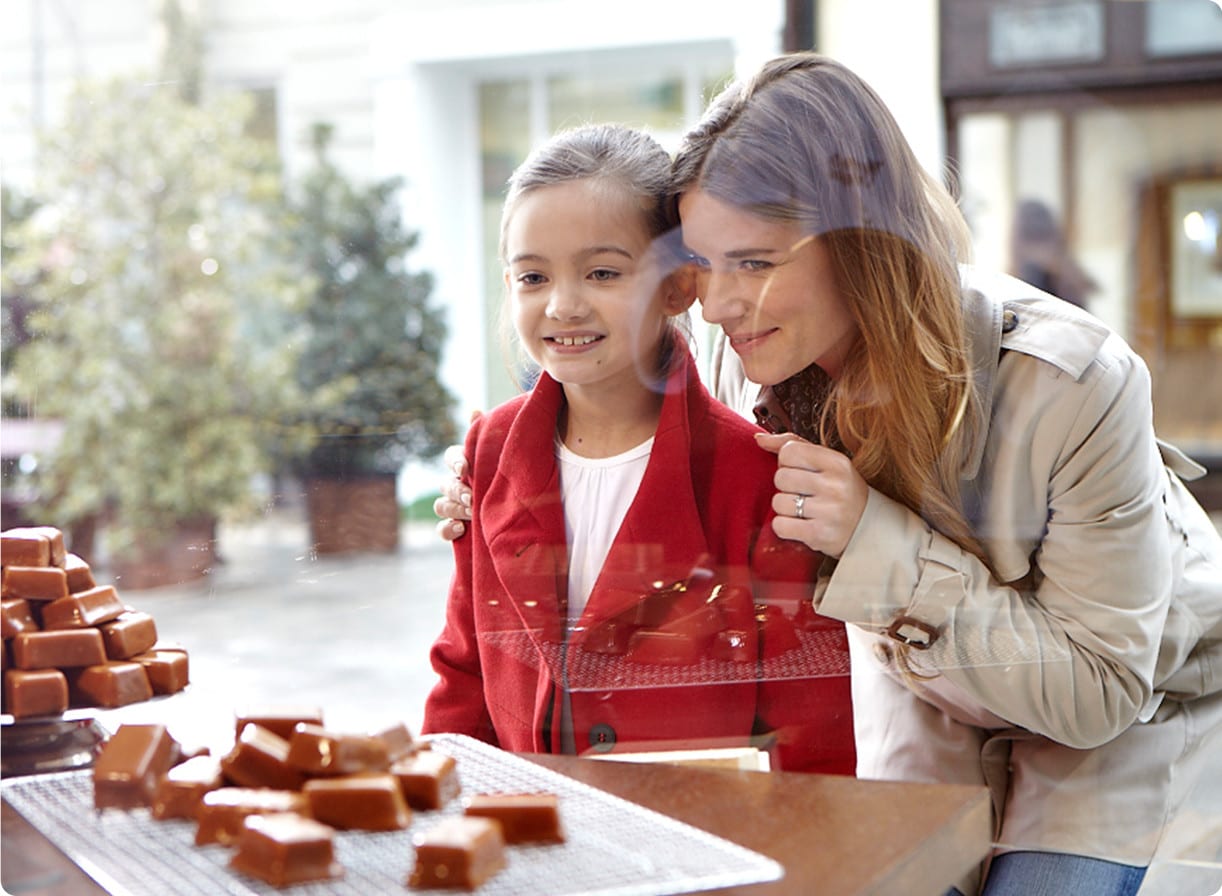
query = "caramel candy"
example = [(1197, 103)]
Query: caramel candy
[(428, 779), (30, 546), (399, 740), (168, 670), (259, 758), (460, 852), (131, 762), (110, 685), (369, 802), (83, 609), (37, 692), (16, 617), (280, 721), (317, 751), (285, 848), (181, 790), (78, 573), (668, 648), (130, 633), (524, 817), (41, 583), (66, 648), (221, 812)]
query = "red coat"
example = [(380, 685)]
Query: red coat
[(673, 640)]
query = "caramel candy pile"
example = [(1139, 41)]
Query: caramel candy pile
[(69, 642), (288, 782)]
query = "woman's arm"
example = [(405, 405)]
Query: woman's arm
[(1073, 481)]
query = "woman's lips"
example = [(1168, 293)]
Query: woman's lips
[(744, 343)]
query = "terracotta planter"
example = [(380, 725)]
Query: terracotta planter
[(183, 555), (359, 515)]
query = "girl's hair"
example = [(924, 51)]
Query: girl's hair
[(618, 157), (806, 141), (621, 160)]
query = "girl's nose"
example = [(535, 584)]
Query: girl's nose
[(566, 303)]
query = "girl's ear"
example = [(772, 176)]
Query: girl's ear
[(679, 290)]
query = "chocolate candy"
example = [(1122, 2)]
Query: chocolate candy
[(27, 546), (168, 670), (37, 692), (460, 852), (109, 684), (130, 633), (428, 779), (181, 790), (42, 583), (285, 848), (83, 609), (15, 617), (524, 817), (78, 573), (399, 741), (369, 802), (222, 811), (259, 758), (130, 763), (317, 751), (278, 720), (62, 649)]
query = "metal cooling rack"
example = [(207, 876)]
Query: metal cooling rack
[(613, 847)]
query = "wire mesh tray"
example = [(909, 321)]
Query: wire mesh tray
[(613, 846)]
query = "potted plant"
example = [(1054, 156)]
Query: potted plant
[(148, 271), (368, 365)]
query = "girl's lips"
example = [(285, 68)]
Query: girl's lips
[(572, 342)]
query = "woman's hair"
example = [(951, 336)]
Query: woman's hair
[(806, 141), (623, 161)]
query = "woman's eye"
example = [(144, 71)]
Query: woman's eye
[(698, 260), (755, 264)]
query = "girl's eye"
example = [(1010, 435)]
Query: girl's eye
[(530, 278), (603, 274)]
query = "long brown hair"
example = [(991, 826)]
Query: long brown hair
[(805, 140)]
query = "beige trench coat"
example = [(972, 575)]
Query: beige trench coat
[(1085, 697)]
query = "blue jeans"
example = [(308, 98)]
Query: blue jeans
[(1057, 874)]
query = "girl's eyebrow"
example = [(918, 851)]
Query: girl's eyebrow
[(584, 253)]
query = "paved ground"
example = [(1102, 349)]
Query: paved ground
[(274, 626)]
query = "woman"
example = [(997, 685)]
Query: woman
[(1034, 599)]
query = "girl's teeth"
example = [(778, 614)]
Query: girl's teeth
[(575, 340)]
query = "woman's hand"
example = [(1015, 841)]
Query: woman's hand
[(454, 505), (820, 496)]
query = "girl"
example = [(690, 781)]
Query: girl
[(620, 583), (1034, 598)]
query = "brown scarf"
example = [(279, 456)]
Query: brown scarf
[(796, 404)]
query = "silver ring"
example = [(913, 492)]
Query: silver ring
[(798, 502)]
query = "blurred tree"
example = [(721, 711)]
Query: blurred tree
[(368, 366), (157, 256)]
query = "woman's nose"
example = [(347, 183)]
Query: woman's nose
[(719, 300)]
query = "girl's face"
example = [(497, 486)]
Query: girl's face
[(768, 288), (585, 294)]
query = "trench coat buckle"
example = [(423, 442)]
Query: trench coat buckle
[(913, 632)]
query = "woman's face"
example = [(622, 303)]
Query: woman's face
[(770, 289)]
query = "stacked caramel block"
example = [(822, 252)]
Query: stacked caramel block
[(70, 642)]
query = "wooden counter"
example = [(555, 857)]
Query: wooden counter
[(832, 835)]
